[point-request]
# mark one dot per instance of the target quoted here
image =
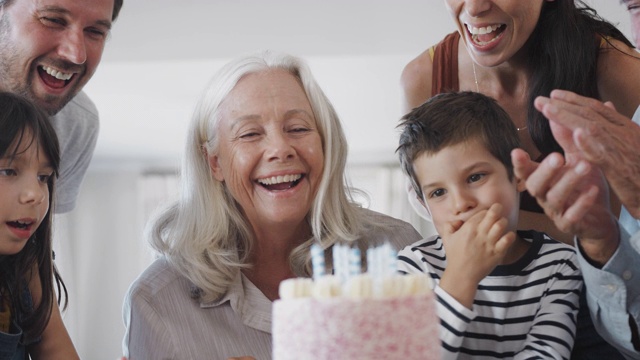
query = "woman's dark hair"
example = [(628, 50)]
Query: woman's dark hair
[(22, 124), (563, 54)]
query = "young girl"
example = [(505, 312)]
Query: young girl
[(30, 321)]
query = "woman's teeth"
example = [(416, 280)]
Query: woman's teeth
[(484, 35), (279, 179), (482, 30)]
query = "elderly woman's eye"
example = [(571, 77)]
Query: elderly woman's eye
[(248, 135)]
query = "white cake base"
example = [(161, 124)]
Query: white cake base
[(338, 328)]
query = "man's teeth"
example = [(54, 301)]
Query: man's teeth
[(57, 74), (279, 179), (482, 30)]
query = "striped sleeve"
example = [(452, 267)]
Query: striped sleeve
[(454, 320), (411, 259), (554, 326)]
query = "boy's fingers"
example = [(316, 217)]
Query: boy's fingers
[(503, 244)]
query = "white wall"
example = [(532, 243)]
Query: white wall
[(145, 106)]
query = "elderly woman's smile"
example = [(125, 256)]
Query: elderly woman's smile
[(285, 182)]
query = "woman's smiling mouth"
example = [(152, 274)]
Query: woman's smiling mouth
[(281, 182), (486, 34)]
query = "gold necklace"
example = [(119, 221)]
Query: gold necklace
[(475, 77)]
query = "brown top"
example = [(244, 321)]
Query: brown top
[(444, 56)]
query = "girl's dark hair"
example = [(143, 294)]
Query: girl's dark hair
[(22, 123), (563, 54)]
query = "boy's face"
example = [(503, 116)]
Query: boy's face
[(463, 179)]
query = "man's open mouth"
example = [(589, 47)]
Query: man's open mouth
[(54, 78)]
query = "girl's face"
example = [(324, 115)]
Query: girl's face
[(24, 193), (493, 31)]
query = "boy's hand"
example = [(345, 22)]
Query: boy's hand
[(473, 250)]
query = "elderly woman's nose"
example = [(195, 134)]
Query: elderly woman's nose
[(280, 147)]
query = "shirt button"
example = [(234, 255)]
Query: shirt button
[(612, 288), (627, 274)]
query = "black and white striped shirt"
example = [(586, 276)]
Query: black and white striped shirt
[(522, 310)]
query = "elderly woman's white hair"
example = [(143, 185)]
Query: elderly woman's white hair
[(204, 234)]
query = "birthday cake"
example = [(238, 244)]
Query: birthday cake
[(361, 316)]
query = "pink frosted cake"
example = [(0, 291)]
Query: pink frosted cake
[(395, 319)]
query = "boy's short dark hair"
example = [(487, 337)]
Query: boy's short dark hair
[(448, 119)]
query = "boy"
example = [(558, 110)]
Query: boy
[(501, 293)]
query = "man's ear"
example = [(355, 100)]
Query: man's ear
[(214, 164)]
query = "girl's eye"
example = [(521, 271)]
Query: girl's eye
[(44, 178), (437, 193), (7, 172), (476, 177)]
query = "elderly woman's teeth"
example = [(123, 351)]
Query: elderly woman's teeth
[(279, 179)]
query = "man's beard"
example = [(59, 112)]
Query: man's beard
[(50, 104), (11, 75)]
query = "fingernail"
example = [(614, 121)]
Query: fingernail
[(554, 162), (558, 94), (582, 168)]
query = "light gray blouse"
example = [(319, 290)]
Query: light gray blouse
[(164, 322)]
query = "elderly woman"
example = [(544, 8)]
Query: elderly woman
[(263, 179)]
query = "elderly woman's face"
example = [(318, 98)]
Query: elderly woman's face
[(270, 152), (493, 31)]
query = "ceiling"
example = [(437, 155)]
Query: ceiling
[(162, 52), (152, 30)]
